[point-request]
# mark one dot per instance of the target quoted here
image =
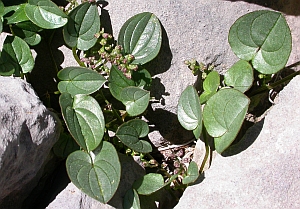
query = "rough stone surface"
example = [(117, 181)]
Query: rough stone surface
[(72, 198), (266, 174), (27, 133), (192, 29)]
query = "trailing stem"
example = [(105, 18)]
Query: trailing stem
[(274, 85), (207, 150), (77, 58)]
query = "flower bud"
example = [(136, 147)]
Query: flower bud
[(176, 164), (133, 67), (103, 42), (97, 35)]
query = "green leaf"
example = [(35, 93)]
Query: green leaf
[(84, 119), (16, 57), (142, 79), (141, 36), (19, 14), (1, 25), (210, 86), (131, 200), (149, 184), (223, 116), (240, 76), (84, 23), (117, 82), (65, 146), (79, 80), (192, 173), (29, 26), (262, 37), (135, 99), (45, 14), (189, 111), (130, 132), (1, 8), (1, 15), (31, 38), (97, 175)]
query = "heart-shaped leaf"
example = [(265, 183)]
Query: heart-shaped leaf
[(65, 146), (130, 132), (29, 26), (19, 14), (149, 184), (141, 36), (131, 200), (239, 76), (96, 175), (264, 38), (45, 14), (31, 38), (192, 173), (118, 81), (135, 99), (84, 23), (84, 119), (79, 80), (210, 86), (17, 56), (189, 111), (223, 115)]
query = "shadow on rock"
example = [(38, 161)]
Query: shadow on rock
[(168, 126), (246, 141), (289, 7), (162, 62)]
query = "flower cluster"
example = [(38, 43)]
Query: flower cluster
[(106, 53), (198, 68)]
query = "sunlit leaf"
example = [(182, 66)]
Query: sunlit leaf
[(149, 184), (189, 111), (239, 76), (79, 80), (262, 37), (16, 57), (19, 14), (84, 119), (31, 38), (135, 99), (83, 24), (141, 36), (45, 14), (223, 116), (192, 173), (210, 86), (117, 82), (130, 132), (97, 175)]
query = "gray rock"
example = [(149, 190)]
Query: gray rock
[(27, 133), (192, 29), (266, 174), (72, 198)]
